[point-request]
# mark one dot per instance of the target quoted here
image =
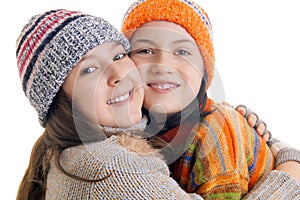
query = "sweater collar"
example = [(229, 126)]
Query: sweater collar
[(140, 126)]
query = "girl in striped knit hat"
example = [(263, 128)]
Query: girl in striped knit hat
[(76, 74), (221, 157)]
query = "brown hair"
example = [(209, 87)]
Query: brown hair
[(60, 133), (63, 130)]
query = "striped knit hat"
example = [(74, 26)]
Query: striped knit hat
[(50, 45), (182, 12)]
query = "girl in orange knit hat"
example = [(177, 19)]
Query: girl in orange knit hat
[(221, 156)]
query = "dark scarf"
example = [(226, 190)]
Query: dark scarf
[(159, 124)]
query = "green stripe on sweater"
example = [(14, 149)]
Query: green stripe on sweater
[(229, 195)]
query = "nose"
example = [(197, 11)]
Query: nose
[(163, 63), (118, 72), (114, 81), (116, 75)]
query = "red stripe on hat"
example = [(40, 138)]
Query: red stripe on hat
[(34, 31), (40, 36)]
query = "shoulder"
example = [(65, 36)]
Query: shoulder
[(100, 151), (221, 113), (223, 119), (138, 157), (85, 160), (115, 153)]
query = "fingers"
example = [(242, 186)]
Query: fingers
[(260, 127), (253, 119), (267, 135), (255, 122), (242, 109), (251, 116)]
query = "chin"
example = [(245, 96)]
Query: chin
[(162, 108), (135, 118), (128, 124)]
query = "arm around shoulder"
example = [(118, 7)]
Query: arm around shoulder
[(127, 175), (276, 185), (287, 158)]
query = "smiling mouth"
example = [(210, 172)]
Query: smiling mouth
[(163, 86), (120, 99)]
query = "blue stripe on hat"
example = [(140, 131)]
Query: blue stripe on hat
[(41, 48)]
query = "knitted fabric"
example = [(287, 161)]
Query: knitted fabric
[(283, 152), (225, 159), (130, 175), (50, 45), (277, 185), (140, 126), (182, 12)]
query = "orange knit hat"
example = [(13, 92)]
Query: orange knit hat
[(182, 12)]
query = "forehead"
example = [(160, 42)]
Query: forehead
[(104, 49), (161, 31)]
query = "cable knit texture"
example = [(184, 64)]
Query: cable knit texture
[(137, 174)]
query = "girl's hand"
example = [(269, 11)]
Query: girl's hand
[(255, 122)]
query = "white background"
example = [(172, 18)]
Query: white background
[(257, 46)]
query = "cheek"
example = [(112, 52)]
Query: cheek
[(147, 99), (84, 90), (143, 74), (135, 60), (193, 75), (194, 80), (101, 94), (85, 97), (85, 102), (140, 63)]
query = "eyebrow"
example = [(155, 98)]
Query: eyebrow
[(143, 41), (185, 41), (174, 42), (115, 45)]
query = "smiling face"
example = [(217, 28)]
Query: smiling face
[(170, 64), (106, 87)]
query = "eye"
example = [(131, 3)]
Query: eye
[(88, 70), (119, 56), (143, 51), (182, 52)]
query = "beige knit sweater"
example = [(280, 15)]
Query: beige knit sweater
[(136, 171)]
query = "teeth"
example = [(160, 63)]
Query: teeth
[(163, 87), (119, 99)]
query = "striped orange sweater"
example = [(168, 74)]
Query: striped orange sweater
[(225, 159)]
